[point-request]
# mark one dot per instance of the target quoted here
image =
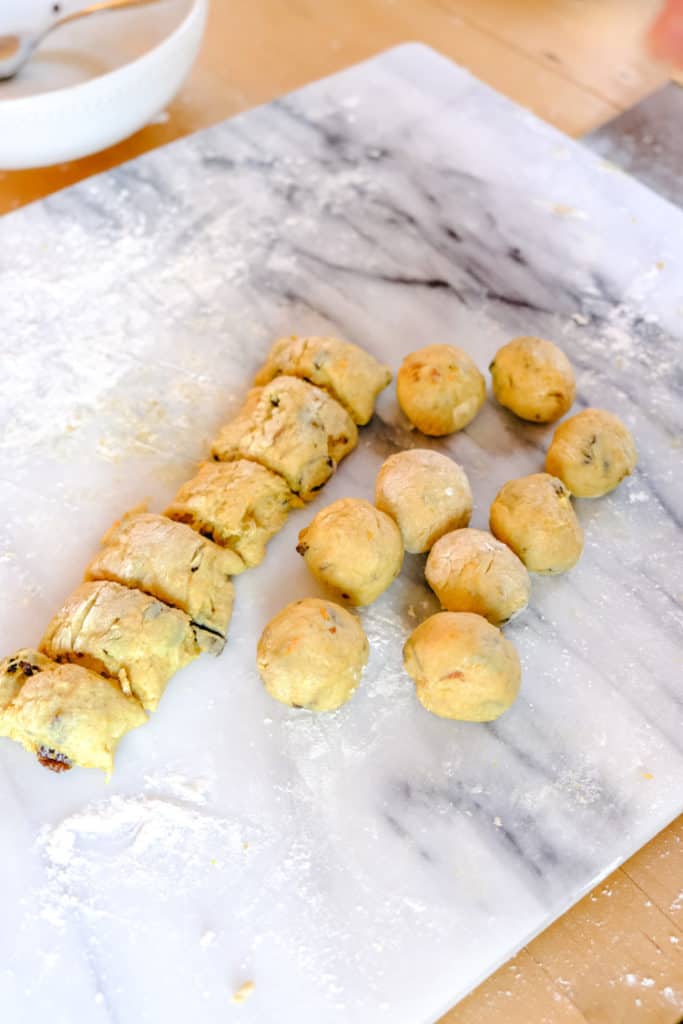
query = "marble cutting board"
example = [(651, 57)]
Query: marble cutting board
[(374, 864)]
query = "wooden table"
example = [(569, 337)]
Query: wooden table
[(618, 955)]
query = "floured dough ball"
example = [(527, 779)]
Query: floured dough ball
[(348, 372), (440, 389), (354, 548), (312, 655), (67, 715), (426, 493), (471, 571), (462, 666), (292, 428), (591, 453), (534, 379), (534, 516)]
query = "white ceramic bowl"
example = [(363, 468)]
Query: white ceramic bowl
[(82, 92)]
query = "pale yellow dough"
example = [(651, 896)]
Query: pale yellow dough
[(354, 548), (292, 428), (591, 453), (239, 505), (68, 715), (348, 372), (174, 563), (534, 516), (14, 671), (312, 655), (462, 666), (440, 389), (534, 379), (471, 571), (124, 634), (426, 493)]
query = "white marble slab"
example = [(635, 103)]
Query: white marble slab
[(374, 864)]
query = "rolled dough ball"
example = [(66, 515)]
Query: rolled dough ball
[(171, 561), (591, 453), (462, 666), (124, 634), (471, 571), (534, 516), (348, 372), (239, 505), (312, 655), (426, 493), (534, 379), (354, 548), (292, 428), (67, 715), (440, 389)]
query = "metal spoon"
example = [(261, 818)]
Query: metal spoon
[(16, 47)]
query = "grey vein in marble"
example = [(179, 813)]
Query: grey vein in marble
[(375, 863)]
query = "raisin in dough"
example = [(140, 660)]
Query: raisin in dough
[(354, 548), (124, 634), (238, 505), (440, 389), (291, 428), (462, 666), (591, 453), (471, 571), (349, 373), (67, 715), (312, 655), (534, 516), (533, 378), (426, 493), (174, 563)]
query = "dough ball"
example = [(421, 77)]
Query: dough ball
[(312, 655), (471, 571), (354, 548), (426, 493), (124, 634), (348, 372), (169, 560), (534, 516), (440, 389), (239, 505), (591, 453), (462, 666), (292, 428), (67, 715), (534, 379)]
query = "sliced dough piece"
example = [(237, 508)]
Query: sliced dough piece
[(238, 505), (349, 373), (124, 634), (67, 715), (14, 671), (174, 563), (354, 548), (291, 428)]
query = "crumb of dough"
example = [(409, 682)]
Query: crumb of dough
[(243, 992)]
